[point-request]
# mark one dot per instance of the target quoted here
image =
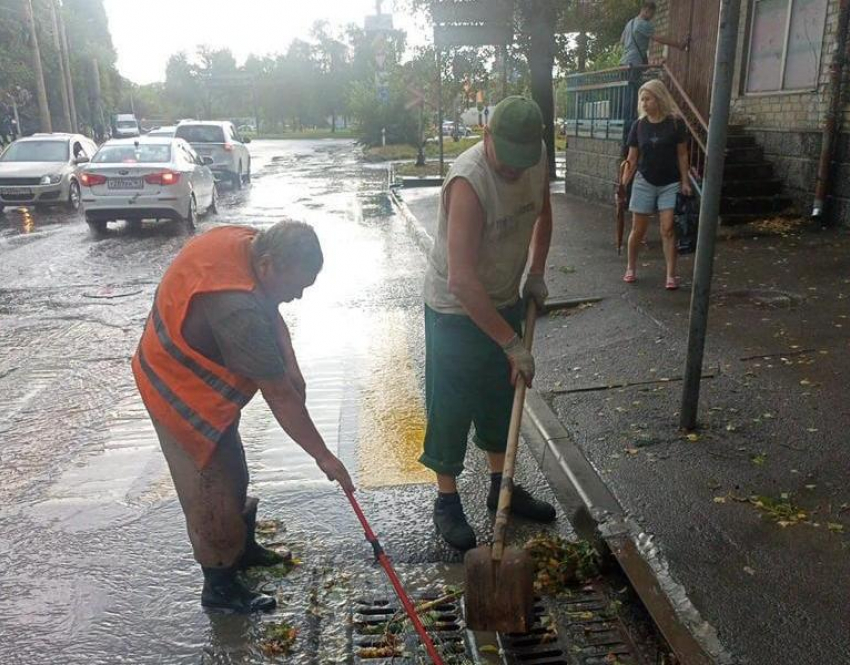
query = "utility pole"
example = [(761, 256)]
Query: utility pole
[(63, 84), (721, 98), (439, 54), (98, 122), (66, 72), (35, 52)]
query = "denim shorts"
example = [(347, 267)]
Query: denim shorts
[(647, 198)]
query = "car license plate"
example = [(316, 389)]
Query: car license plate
[(16, 191), (126, 183)]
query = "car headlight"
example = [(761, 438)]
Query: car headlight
[(51, 179)]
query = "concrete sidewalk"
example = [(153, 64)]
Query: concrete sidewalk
[(752, 515)]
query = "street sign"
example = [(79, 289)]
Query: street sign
[(472, 35), (472, 11)]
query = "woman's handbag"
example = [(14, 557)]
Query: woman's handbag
[(686, 222)]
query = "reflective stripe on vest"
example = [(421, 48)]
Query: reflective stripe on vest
[(201, 425), (220, 386), (193, 397)]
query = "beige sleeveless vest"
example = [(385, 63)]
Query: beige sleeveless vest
[(511, 209)]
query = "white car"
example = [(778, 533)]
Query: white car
[(147, 178), (166, 131), (219, 141), (43, 169)]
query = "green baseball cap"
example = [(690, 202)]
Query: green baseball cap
[(517, 130)]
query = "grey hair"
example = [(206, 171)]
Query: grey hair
[(290, 242)]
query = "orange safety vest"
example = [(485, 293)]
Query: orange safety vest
[(194, 398)]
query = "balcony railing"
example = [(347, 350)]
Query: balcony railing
[(603, 105)]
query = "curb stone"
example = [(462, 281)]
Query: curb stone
[(598, 517)]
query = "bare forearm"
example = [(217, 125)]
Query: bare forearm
[(667, 41), (289, 411), (683, 165)]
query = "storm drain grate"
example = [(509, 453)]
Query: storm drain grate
[(586, 631), (373, 644)]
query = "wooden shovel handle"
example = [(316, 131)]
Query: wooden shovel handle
[(507, 488)]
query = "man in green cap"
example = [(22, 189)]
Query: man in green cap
[(494, 217)]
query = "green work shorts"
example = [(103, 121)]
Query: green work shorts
[(467, 382)]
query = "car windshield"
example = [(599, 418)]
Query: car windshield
[(37, 151), (200, 133), (145, 153), (126, 123)]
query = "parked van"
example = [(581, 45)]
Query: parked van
[(125, 125)]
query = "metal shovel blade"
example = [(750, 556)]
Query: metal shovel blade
[(499, 595)]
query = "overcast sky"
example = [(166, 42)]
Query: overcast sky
[(146, 33)]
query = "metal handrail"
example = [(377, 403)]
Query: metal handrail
[(684, 95)]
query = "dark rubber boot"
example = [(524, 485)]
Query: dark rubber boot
[(255, 554), (522, 503), (451, 522), (224, 591)]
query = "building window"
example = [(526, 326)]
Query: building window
[(786, 40)]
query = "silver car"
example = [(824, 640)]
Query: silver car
[(147, 178), (43, 169), (219, 141)]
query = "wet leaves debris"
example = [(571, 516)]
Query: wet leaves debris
[(560, 563)]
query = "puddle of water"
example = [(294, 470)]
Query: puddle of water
[(392, 421)]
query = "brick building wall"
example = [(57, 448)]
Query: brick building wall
[(591, 168), (789, 125)]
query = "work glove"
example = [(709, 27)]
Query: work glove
[(521, 360), (535, 288)]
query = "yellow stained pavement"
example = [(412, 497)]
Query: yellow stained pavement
[(392, 413)]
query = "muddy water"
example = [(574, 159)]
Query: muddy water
[(95, 565)]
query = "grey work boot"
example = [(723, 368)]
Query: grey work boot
[(451, 522), (255, 554), (224, 591), (522, 503)]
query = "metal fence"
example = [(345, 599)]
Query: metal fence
[(603, 104)]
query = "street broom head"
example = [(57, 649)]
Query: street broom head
[(499, 593)]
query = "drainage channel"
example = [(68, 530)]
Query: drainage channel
[(380, 637), (582, 628)]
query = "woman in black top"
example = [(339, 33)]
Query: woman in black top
[(658, 162)]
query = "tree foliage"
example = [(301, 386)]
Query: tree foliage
[(89, 39)]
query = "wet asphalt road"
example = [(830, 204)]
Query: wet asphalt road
[(95, 565)]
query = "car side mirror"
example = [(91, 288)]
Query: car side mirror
[(81, 159), (246, 140), (206, 161)]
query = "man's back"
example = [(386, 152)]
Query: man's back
[(635, 39)]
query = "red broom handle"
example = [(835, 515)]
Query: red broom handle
[(399, 589)]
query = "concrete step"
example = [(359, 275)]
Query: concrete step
[(745, 155), (751, 187), (754, 205), (759, 170)]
